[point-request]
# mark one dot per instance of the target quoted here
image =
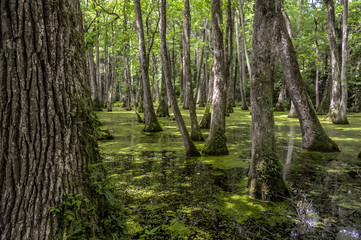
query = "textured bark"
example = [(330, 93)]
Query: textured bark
[(341, 117), (162, 110), (216, 143), (45, 128), (335, 59), (241, 69), (151, 122), (196, 134), (264, 177), (191, 149), (314, 137)]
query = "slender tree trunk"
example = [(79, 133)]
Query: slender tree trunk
[(336, 84), (245, 40), (230, 83), (317, 66), (162, 110), (151, 122), (241, 69), (196, 134), (154, 72), (216, 143), (44, 150), (341, 117), (200, 64), (265, 174), (92, 73), (191, 149), (99, 103), (205, 122), (181, 72), (314, 137)]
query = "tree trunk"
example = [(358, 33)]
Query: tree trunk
[(245, 40), (265, 175), (314, 137), (191, 149), (293, 112), (216, 141), (341, 117), (317, 66), (325, 100), (241, 69), (336, 85), (181, 72), (154, 73), (205, 122), (151, 122), (92, 73), (196, 134), (230, 83), (46, 132), (99, 103), (281, 99), (162, 110)]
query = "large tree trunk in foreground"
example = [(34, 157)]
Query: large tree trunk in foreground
[(216, 141), (314, 137), (191, 149), (196, 133), (151, 121), (264, 177), (46, 141)]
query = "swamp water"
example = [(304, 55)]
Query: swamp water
[(170, 196)]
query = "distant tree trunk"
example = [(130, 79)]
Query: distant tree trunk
[(200, 64), (162, 110), (314, 137), (92, 73), (230, 83), (245, 40), (186, 83), (99, 103), (241, 69), (181, 72), (317, 66), (341, 117), (46, 133), (196, 134), (281, 99), (205, 122), (191, 149), (293, 112), (265, 174), (325, 100), (151, 122), (216, 141), (336, 84), (154, 73)]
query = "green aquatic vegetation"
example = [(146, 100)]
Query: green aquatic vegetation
[(206, 197)]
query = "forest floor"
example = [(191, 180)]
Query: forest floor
[(170, 196)]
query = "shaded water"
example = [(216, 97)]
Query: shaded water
[(206, 197)]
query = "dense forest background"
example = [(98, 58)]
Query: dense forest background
[(180, 119)]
